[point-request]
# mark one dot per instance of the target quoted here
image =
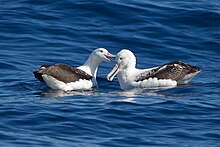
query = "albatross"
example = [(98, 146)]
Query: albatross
[(166, 75), (64, 77)]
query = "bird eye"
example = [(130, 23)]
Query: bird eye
[(120, 58), (101, 51)]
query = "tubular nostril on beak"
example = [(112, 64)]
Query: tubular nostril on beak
[(109, 55)]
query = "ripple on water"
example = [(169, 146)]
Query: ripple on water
[(47, 32)]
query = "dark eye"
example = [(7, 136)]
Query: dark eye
[(120, 58), (101, 51)]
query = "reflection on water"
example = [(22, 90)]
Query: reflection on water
[(48, 32), (50, 93), (169, 92)]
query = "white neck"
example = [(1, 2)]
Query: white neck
[(91, 65)]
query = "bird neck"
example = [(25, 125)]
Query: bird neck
[(91, 65)]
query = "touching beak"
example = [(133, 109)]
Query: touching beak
[(109, 55), (113, 73)]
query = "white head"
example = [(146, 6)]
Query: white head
[(101, 54), (125, 59)]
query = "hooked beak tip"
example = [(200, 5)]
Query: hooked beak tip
[(109, 55)]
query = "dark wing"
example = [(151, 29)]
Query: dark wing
[(146, 75), (65, 73), (174, 70)]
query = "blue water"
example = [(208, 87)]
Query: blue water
[(35, 32)]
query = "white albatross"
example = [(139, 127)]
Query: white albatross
[(64, 77), (166, 75)]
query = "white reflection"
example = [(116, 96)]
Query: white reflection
[(50, 93), (118, 95)]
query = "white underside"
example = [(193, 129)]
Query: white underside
[(149, 83), (78, 85), (127, 80)]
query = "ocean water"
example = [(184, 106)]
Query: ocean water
[(36, 32)]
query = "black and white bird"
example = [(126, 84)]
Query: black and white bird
[(65, 77), (166, 75)]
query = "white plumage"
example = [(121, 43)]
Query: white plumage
[(64, 77), (167, 75)]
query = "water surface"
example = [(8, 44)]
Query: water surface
[(47, 32)]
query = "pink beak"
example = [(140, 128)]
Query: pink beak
[(109, 55), (113, 73)]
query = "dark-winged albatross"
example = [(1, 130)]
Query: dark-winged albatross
[(65, 77), (166, 75)]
